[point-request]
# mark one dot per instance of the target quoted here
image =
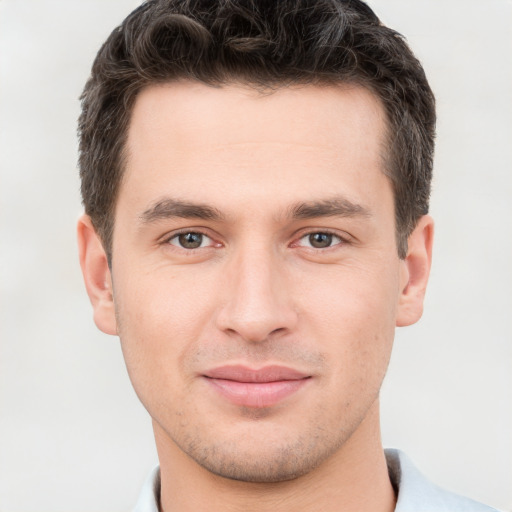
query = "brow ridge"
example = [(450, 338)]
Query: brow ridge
[(333, 207), (169, 208)]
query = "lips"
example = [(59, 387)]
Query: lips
[(255, 388)]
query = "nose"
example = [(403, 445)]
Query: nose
[(258, 302)]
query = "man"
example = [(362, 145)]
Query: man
[(256, 178)]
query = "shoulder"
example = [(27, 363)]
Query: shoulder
[(417, 493)]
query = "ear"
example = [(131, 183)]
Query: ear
[(415, 272), (97, 277)]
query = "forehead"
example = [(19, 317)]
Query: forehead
[(239, 113), (197, 141)]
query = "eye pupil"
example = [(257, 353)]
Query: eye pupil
[(190, 240), (320, 240)]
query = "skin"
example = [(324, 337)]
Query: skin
[(258, 175)]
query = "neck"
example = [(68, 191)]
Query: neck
[(355, 478)]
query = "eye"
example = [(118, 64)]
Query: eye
[(191, 240), (320, 240)]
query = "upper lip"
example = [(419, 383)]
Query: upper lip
[(240, 373)]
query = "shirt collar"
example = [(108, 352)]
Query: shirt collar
[(149, 498)]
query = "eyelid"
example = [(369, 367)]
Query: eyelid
[(166, 239), (205, 241), (344, 238)]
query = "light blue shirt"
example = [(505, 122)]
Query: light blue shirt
[(415, 492)]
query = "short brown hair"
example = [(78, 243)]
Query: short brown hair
[(267, 44)]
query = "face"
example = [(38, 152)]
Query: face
[(255, 274)]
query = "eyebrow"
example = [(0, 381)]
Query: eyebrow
[(334, 207), (170, 208)]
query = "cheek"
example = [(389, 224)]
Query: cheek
[(352, 318), (352, 297), (162, 301), (160, 318)]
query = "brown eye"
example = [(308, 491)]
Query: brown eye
[(320, 240), (190, 240)]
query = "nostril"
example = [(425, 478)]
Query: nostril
[(255, 332)]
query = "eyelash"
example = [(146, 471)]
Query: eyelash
[(341, 240), (167, 240)]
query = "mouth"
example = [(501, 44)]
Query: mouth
[(256, 388)]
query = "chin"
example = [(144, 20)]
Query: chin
[(264, 470), (263, 460)]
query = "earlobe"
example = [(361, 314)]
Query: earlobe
[(97, 277), (415, 272)]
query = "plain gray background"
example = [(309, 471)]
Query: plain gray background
[(73, 436)]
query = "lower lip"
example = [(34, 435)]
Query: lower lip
[(256, 394)]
